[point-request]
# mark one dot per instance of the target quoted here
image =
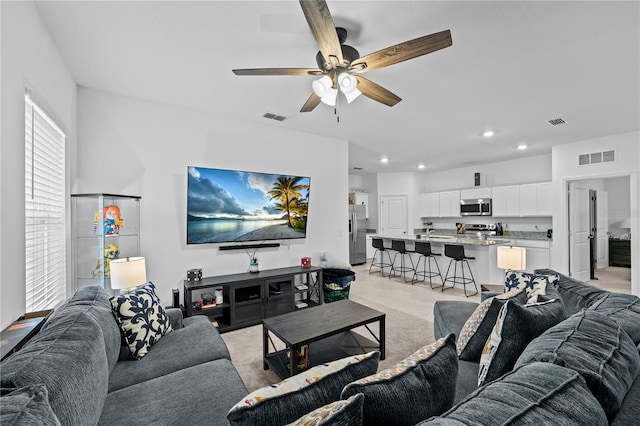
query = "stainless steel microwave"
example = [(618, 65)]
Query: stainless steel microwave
[(476, 207)]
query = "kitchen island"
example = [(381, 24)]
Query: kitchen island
[(484, 267)]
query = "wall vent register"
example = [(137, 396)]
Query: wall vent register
[(596, 158)]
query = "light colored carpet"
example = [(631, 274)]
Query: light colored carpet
[(409, 319)]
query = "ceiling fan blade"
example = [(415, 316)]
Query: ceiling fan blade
[(278, 71), (323, 29), (403, 51), (376, 92), (311, 103)]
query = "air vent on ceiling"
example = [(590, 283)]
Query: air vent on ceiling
[(596, 158), (556, 121), (274, 116)]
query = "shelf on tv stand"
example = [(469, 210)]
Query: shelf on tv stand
[(234, 314)]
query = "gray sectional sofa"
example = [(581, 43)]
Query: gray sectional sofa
[(76, 371), (583, 370)]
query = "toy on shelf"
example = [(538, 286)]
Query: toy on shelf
[(111, 252), (112, 221)]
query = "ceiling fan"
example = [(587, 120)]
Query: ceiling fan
[(339, 65)]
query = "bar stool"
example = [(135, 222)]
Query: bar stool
[(378, 244), (400, 248), (456, 253), (424, 249)]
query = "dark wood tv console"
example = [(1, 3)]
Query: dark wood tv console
[(248, 298)]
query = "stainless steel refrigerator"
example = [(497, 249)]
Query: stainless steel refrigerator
[(357, 234)]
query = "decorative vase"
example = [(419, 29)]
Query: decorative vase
[(253, 267)]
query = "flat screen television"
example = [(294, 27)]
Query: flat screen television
[(235, 206)]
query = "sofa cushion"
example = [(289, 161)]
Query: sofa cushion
[(629, 411), (94, 300), (534, 394), (625, 309), (198, 395), (527, 281), (449, 316), (141, 318), (575, 294), (424, 381), (197, 342), (338, 413), (477, 328), (516, 326), (69, 359), (594, 346), (26, 406), (291, 398)]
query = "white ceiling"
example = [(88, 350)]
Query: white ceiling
[(512, 67)]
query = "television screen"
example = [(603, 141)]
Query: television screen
[(231, 205)]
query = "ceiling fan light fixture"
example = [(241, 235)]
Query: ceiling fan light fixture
[(347, 82), (330, 97), (353, 94), (322, 86)]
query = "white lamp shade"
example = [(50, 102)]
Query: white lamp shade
[(322, 86), (330, 97), (514, 258), (347, 83), (625, 223), (128, 273), (352, 95)]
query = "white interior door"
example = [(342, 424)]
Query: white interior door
[(603, 229), (394, 216), (579, 232)]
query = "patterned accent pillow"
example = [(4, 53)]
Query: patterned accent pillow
[(539, 289), (338, 413), (515, 327), (141, 318), (286, 401), (424, 381), (527, 281), (477, 328)]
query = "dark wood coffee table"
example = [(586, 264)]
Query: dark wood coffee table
[(327, 329)]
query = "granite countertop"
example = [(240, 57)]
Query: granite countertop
[(513, 235), (453, 239)]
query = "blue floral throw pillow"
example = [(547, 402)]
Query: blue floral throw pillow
[(141, 318), (527, 281)]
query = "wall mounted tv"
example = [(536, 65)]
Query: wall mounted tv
[(236, 206)]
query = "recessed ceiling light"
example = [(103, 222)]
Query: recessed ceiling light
[(522, 146), (421, 166), (384, 160), (488, 133)]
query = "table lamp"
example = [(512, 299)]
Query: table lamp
[(127, 274), (626, 224), (513, 258)]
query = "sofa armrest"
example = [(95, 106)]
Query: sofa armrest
[(175, 317)]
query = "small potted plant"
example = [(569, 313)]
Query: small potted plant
[(253, 265)]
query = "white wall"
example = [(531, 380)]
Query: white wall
[(535, 168), (29, 58), (401, 184), (565, 168), (619, 205), (142, 148)]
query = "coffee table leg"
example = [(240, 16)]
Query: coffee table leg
[(265, 347), (294, 360), (382, 338)]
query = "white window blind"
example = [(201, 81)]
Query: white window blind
[(44, 209)]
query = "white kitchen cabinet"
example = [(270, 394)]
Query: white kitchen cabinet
[(450, 204), (537, 253), (475, 193), (370, 249), (506, 200), (529, 199), (545, 201), (430, 205)]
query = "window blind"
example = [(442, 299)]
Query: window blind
[(45, 256)]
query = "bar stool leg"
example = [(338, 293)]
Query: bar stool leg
[(432, 275)]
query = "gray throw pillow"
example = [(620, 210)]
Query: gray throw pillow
[(339, 413), (296, 396), (420, 386), (534, 394), (26, 406), (594, 346), (516, 326), (625, 309), (477, 328)]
